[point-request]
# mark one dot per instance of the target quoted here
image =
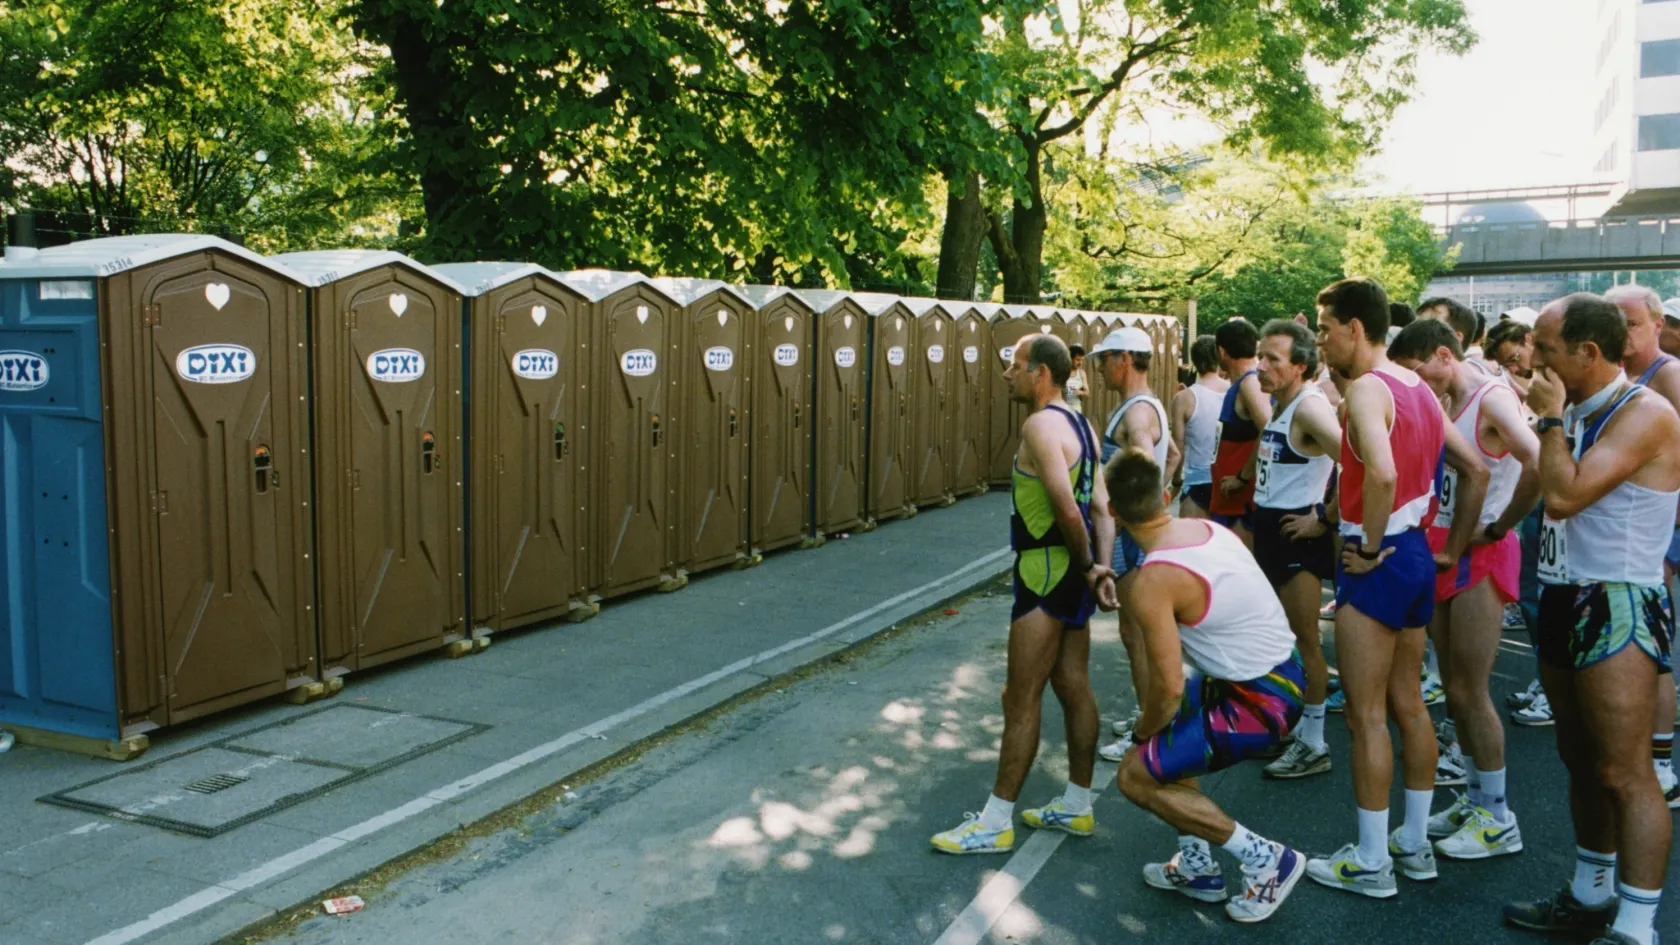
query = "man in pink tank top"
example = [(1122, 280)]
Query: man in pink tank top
[(1471, 593), (1200, 597), (1392, 447)]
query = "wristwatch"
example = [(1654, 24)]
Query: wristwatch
[(1494, 532), (1547, 423)]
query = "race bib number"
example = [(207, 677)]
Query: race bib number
[(1449, 495), (1554, 552), (1263, 468)]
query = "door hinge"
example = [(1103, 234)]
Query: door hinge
[(355, 479), (501, 466), (350, 320), (151, 315), (160, 503)]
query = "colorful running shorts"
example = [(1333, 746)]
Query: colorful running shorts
[(1583, 625), (1500, 562), (1221, 722), (1044, 581), (1400, 592)]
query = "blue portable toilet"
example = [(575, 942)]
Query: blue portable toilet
[(156, 474)]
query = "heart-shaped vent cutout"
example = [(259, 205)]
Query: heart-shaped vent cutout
[(848, 320), (1045, 329), (898, 324), (641, 314), (788, 322), (399, 303), (217, 293), (539, 314)]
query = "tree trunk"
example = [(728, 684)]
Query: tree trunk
[(1023, 266), (959, 241)]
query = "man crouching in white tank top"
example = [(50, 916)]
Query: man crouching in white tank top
[(1606, 631), (1199, 596)]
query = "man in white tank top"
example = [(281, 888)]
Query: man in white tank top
[(1605, 633), (1200, 597), (1471, 592), (1291, 535), (1195, 427), (1140, 422)]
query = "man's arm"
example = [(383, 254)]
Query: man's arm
[(1052, 474), (1315, 421), (1472, 490), (1367, 422), (1506, 416), (1174, 459), (1102, 520), (1183, 408), (1153, 606), (1631, 439), (1255, 403)]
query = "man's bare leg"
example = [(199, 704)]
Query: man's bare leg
[(1071, 681), (1034, 647), (1615, 699)]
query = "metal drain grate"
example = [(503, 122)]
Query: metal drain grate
[(217, 782)]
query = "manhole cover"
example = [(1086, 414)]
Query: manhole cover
[(246, 776)]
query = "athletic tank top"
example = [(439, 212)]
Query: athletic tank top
[(1503, 468), (1416, 439), (1032, 525), (1285, 479), (1111, 444), (1644, 379), (1622, 537), (1201, 435), (1238, 438), (1244, 633)]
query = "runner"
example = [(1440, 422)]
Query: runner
[(1392, 445), (1670, 337), (1139, 422), (1470, 326), (1195, 427), (1061, 533), (1471, 592), (1605, 633), (1074, 393), (1245, 410), (1291, 533), (1201, 598), (1646, 363)]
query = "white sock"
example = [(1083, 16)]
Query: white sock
[(998, 814), (1256, 852), (1595, 875), (1373, 836), (1311, 729), (1194, 854), (1636, 917), (1414, 830), (1473, 782), (1493, 794), (1077, 799)]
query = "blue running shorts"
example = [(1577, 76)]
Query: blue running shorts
[(1400, 592)]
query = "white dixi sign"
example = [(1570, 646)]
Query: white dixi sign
[(536, 364), (895, 355), (1007, 353), (216, 364), (720, 358), (22, 370), (845, 357), (936, 354), (787, 355), (396, 365), (638, 363), (971, 354)]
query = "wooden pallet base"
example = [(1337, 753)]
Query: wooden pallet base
[(677, 583), (122, 749), (813, 541), (466, 647), (947, 502), (580, 613)]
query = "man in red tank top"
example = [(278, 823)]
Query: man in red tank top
[(1392, 445)]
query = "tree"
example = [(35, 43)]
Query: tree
[(1242, 64)]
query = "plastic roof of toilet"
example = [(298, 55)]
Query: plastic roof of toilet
[(876, 302), (758, 296), (821, 300), (481, 277), (688, 290), (107, 256), (597, 284), (322, 267)]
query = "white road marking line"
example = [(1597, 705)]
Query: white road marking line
[(1001, 891), (209, 896)]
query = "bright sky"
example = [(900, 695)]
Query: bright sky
[(1515, 111)]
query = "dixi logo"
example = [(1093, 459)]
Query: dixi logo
[(536, 364), (216, 364), (22, 370), (787, 355), (719, 358), (396, 365), (845, 357), (638, 363)]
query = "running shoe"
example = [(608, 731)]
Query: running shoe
[(1514, 619), (971, 836), (1538, 713), (1115, 751), (1056, 816), (1449, 771), (1265, 890), (1337, 701), (1123, 726), (1328, 611), (1299, 760), (1561, 912), (1481, 837), (1525, 698), (1345, 871), (1447, 822), (1433, 692), (1200, 885), (1418, 866), (1670, 787)]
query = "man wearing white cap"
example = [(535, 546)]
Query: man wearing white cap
[(1669, 338), (1140, 422)]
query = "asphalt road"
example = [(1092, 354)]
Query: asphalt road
[(803, 816)]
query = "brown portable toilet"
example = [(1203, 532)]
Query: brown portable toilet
[(972, 367), (155, 538), (892, 406), (715, 347), (1010, 324), (933, 425), (632, 526), (389, 467), (525, 365), (780, 448), (1099, 400), (840, 455)]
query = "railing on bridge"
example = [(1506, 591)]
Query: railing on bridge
[(1567, 246)]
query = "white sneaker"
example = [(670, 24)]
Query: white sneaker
[(1265, 890), (1299, 760), (1449, 771), (1447, 822), (1200, 885), (972, 836), (1525, 698), (1345, 871), (1123, 726), (1538, 712), (1433, 692), (1670, 787), (1116, 750), (7, 740), (1482, 837), (1417, 866)]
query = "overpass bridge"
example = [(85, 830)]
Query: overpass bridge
[(1507, 231)]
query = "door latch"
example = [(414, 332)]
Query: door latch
[(428, 453)]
